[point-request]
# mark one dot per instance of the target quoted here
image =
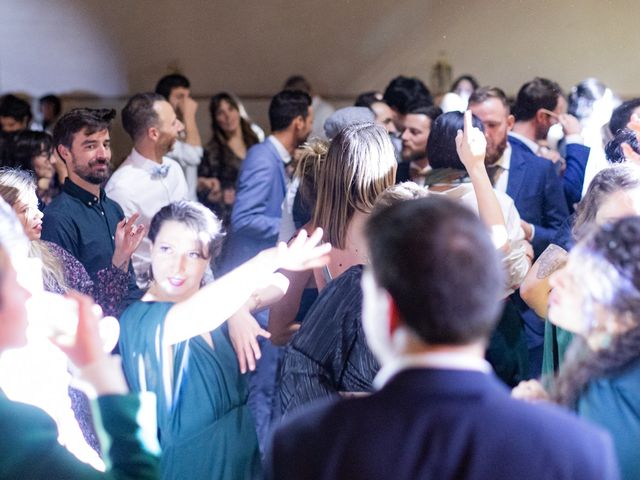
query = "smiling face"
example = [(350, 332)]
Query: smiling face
[(169, 126), (177, 262), (88, 161), (228, 118)]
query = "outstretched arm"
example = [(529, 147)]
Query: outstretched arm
[(535, 288)]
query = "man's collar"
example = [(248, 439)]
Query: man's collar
[(285, 156), (439, 360), (81, 194), (531, 145), (143, 162)]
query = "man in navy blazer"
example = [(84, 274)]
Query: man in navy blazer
[(255, 223), (440, 414), (539, 105)]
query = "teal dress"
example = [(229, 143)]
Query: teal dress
[(556, 344), (613, 402), (205, 428)]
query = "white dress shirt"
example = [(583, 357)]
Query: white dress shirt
[(189, 157), (137, 189)]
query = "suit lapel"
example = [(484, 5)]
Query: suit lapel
[(279, 163), (517, 169)]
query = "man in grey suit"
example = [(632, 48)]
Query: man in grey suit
[(430, 304)]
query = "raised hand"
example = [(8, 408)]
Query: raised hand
[(127, 239), (471, 144), (303, 252)]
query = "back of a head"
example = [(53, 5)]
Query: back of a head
[(360, 165), (297, 82), (613, 149), (622, 114), (139, 114), (15, 184), (343, 117), (367, 99), (285, 106), (400, 192), (534, 95), (169, 82), (402, 91), (437, 261), (16, 108), (91, 120), (441, 146), (583, 95)]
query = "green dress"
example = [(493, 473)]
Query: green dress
[(556, 343), (205, 427)]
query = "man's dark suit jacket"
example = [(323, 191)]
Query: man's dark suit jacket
[(537, 193), (439, 424)]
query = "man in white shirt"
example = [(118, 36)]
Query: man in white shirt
[(430, 305), (147, 180), (187, 150)]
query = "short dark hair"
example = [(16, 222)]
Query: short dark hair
[(438, 263), (286, 106), (53, 100), (138, 115), (613, 148), (26, 145), (367, 99), (169, 82), (14, 107), (91, 120), (422, 108), (402, 91), (483, 94), (622, 114), (534, 95), (441, 146), (297, 82), (195, 216), (469, 78)]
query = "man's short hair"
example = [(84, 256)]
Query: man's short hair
[(297, 82), (286, 106), (91, 120), (482, 94), (367, 99), (402, 91), (138, 115), (534, 95), (54, 101), (169, 82), (441, 145), (422, 108), (438, 263), (622, 114), (14, 107)]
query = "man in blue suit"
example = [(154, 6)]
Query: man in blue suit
[(255, 222), (535, 188), (539, 105), (440, 414)]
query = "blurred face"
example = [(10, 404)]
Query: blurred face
[(228, 117), (10, 124), (567, 299), (384, 116), (414, 137), (89, 158), (464, 88), (623, 203), (13, 314), (43, 164), (26, 208), (305, 126), (177, 262), (497, 123), (169, 127), (177, 96)]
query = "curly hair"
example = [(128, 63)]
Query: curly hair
[(611, 255)]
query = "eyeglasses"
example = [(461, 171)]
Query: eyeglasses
[(553, 115)]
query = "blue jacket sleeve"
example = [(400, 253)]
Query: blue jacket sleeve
[(576, 157), (554, 213)]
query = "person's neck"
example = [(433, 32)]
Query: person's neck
[(526, 129), (149, 150), (287, 139), (422, 162), (411, 345), (156, 294), (92, 188)]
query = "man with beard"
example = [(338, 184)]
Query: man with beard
[(83, 219), (535, 188), (417, 126), (148, 180)]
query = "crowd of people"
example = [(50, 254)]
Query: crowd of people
[(415, 286)]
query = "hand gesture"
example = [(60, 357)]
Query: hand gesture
[(471, 144), (303, 252), (570, 124), (87, 346), (531, 391), (188, 107), (243, 332), (127, 239)]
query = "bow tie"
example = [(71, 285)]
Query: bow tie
[(160, 171)]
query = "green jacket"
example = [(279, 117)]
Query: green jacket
[(29, 448)]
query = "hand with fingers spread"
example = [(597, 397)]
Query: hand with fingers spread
[(304, 252), (471, 144), (127, 239), (243, 332)]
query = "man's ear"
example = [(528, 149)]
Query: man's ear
[(395, 319), (153, 133), (511, 120), (541, 116), (64, 153)]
